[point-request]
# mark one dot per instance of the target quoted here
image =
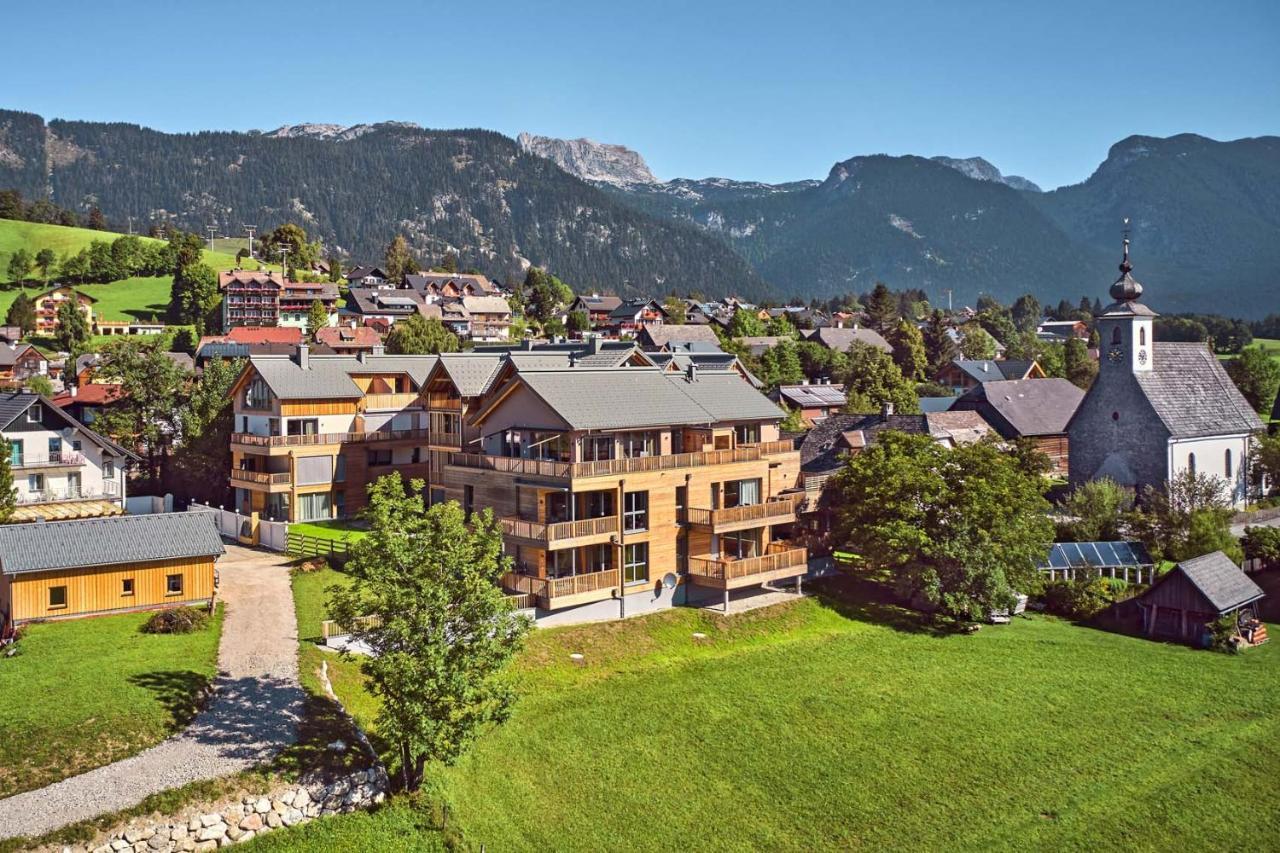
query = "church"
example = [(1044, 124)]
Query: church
[(1157, 409)]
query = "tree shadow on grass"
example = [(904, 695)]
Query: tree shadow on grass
[(864, 599), (181, 692), (323, 724)]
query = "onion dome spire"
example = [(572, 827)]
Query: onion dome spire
[(1126, 288)]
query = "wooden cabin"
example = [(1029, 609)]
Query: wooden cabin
[(93, 566), (1196, 593)]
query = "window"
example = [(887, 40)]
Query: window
[(1142, 335), (15, 453), (741, 493), (597, 448), (1191, 463), (1115, 336), (312, 507), (635, 562), (682, 501), (339, 504), (126, 586), (740, 544), (379, 457), (562, 564), (173, 584), (597, 504), (636, 444), (57, 596), (1226, 467), (35, 482), (257, 395), (599, 558), (75, 445), (109, 469), (747, 433), (55, 447), (340, 468), (34, 415), (682, 551), (635, 511), (303, 426)]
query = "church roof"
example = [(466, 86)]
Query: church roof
[(1192, 394)]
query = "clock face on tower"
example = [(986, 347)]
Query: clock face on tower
[(1142, 356), (1115, 354)]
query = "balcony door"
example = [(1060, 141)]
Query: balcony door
[(73, 485)]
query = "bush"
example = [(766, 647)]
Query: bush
[(1222, 634), (1083, 599), (178, 620)]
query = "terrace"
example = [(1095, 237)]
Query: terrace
[(775, 511), (780, 560), (552, 593), (612, 467), (561, 534)]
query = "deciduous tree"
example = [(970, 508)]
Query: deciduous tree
[(149, 411), (1096, 511), (976, 343), (1257, 375), (8, 496), (908, 351), (22, 313), (443, 632), (20, 263), (418, 335), (963, 528), (1078, 366), (45, 259), (73, 326), (677, 311), (871, 380)]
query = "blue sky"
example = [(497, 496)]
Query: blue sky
[(748, 90)]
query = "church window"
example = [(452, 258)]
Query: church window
[(1115, 336), (1191, 463), (1227, 465), (1142, 336)]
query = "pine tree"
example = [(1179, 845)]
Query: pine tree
[(881, 309), (399, 260), (909, 351), (939, 346), (22, 313), (73, 327)]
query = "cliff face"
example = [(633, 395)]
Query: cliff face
[(596, 162)]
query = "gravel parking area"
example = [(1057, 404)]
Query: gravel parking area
[(252, 715)]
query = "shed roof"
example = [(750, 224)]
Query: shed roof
[(107, 541), (1219, 580)]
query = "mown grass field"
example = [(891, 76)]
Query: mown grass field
[(86, 692), (833, 723), (139, 298)]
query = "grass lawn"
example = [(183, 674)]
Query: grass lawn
[(338, 530), (829, 724), (86, 692)]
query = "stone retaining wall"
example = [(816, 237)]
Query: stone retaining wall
[(238, 821)]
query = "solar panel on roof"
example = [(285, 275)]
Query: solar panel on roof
[(1107, 555), (1057, 559), (1097, 555)]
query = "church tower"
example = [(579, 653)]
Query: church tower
[(1124, 329)]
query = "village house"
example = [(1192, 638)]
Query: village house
[(368, 304), (1035, 409), (89, 567), (490, 318), (815, 402), (49, 301), (963, 374), (10, 334), (1158, 409), (1061, 331), (436, 286), (667, 336), (366, 277), (20, 362), (597, 308), (267, 298), (350, 340), (61, 468), (841, 338), (297, 297), (635, 315)]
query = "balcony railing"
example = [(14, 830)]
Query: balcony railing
[(63, 459), (605, 467), (775, 511), (260, 478), (551, 592), (110, 491), (549, 534), (325, 438), (779, 557), (444, 402)]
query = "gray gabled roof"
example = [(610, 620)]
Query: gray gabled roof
[(668, 333), (1221, 581), (991, 370), (1192, 394), (808, 396), (471, 372), (1024, 407), (841, 339), (114, 540), (329, 376), (14, 403), (642, 397)]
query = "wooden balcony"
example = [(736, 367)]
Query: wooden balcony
[(561, 534), (247, 440), (613, 467), (261, 481), (552, 593), (389, 401), (780, 561), (444, 403), (775, 511)]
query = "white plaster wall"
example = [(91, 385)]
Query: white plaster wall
[(1211, 459), (35, 446)]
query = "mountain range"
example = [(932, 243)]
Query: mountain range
[(1204, 214)]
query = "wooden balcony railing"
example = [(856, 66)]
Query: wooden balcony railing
[(607, 467), (772, 511), (778, 556), (443, 402), (559, 531), (550, 589), (325, 438), (261, 478), (390, 401)]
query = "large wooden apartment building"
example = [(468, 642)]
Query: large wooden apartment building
[(620, 485)]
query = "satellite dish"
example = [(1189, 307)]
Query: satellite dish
[(669, 580)]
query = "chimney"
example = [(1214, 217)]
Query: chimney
[(573, 358), (887, 409), (528, 344), (379, 349), (361, 356), (304, 356), (73, 390), (597, 344), (692, 372)]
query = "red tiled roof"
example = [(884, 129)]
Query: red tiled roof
[(264, 335), (92, 393), (344, 337)]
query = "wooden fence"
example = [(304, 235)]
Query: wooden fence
[(304, 545)]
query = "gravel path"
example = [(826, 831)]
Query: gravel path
[(253, 714)]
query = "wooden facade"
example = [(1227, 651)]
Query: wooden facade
[(94, 590)]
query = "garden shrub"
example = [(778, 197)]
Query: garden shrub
[(1222, 633), (1084, 598), (178, 620)]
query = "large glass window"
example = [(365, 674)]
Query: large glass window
[(257, 395), (635, 511), (747, 433), (636, 444), (55, 447), (599, 558), (597, 448), (562, 563), (740, 544), (741, 493), (379, 457), (635, 562), (313, 507), (597, 504), (303, 426)]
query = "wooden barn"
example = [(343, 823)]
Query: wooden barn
[(62, 569), (1197, 592)]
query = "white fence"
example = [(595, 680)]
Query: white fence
[(271, 534), (147, 504)]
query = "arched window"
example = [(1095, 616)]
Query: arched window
[(1191, 463), (1115, 336), (1227, 466), (1142, 336)]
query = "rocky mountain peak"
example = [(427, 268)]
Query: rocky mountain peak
[(982, 170), (598, 162), (335, 132)]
